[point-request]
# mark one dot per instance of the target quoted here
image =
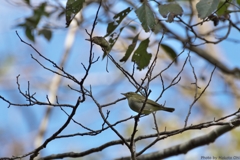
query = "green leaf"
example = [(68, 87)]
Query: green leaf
[(72, 8), (29, 34), (40, 11), (170, 11), (117, 20), (46, 33), (206, 7), (170, 52), (146, 16), (238, 2), (130, 49), (158, 27), (223, 10), (31, 23), (141, 57)]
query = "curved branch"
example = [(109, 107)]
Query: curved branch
[(191, 144)]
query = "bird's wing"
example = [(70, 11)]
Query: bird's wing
[(149, 101)]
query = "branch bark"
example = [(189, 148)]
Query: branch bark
[(191, 144)]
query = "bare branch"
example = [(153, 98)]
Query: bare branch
[(195, 100)]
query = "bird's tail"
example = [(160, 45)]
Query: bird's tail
[(168, 109)]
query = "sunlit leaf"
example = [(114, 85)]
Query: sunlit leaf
[(222, 8), (206, 7)]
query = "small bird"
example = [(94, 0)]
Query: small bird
[(103, 43), (136, 101)]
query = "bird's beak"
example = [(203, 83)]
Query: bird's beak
[(123, 94)]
